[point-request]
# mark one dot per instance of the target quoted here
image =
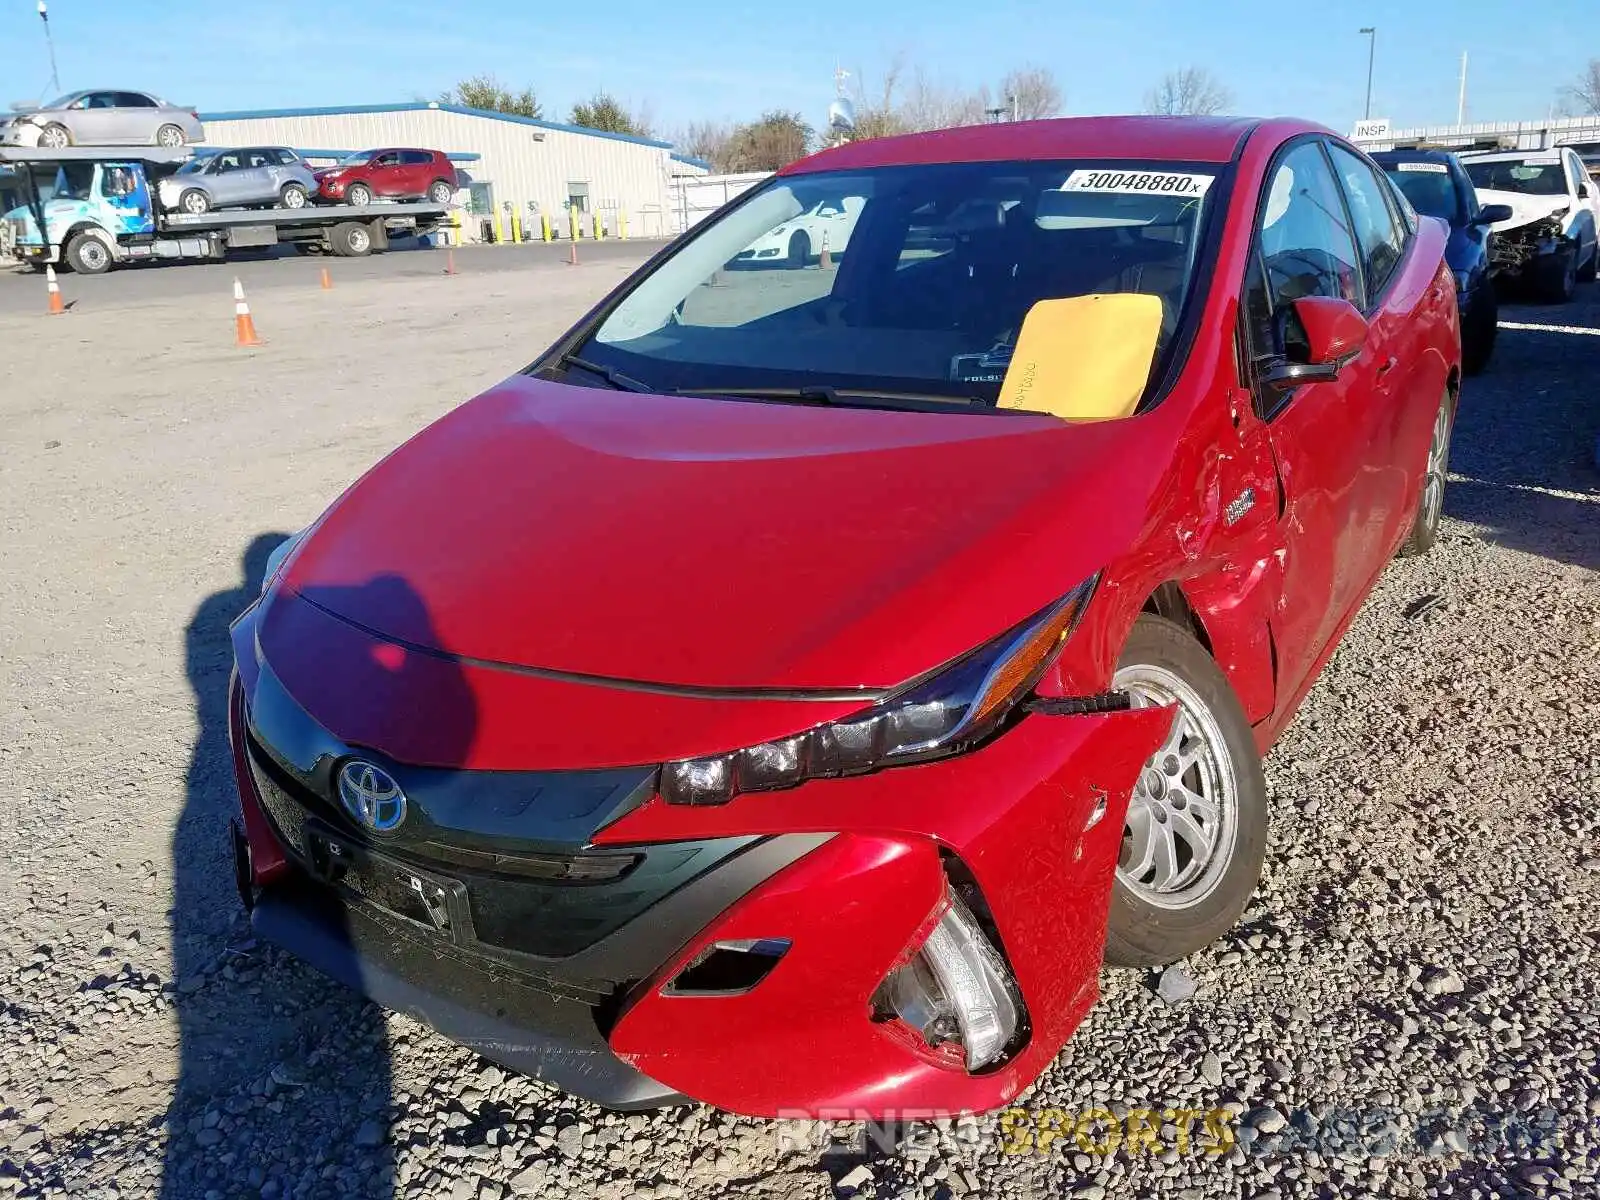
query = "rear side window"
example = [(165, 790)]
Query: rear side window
[(1380, 239), (415, 158), (134, 100)]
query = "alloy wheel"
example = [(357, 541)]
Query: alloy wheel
[(54, 138), (1182, 819), (1437, 468)]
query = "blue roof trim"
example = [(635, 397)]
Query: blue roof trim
[(691, 161), (422, 106)]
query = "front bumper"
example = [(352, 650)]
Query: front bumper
[(850, 873)]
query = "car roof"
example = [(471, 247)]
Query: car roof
[(1552, 155), (1404, 155), (1177, 139)]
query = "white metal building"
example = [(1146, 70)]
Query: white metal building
[(537, 167), (1513, 135)]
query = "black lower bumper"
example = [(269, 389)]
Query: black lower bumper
[(551, 1038)]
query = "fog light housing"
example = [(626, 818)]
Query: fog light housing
[(957, 988)]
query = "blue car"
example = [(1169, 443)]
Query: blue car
[(1437, 185)]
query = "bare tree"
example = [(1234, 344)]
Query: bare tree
[(487, 92), (877, 114), (1584, 93), (1191, 92), (708, 141), (1031, 94), (934, 104)]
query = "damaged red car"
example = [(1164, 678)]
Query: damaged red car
[(788, 691)]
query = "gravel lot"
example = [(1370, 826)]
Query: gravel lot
[(1409, 1008)]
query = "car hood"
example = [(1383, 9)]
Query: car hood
[(1525, 209), (724, 544)]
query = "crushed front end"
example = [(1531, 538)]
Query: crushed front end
[(918, 938)]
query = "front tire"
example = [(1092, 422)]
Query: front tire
[(88, 255), (357, 194), (799, 248), (194, 202), (1196, 830), (1557, 278), (55, 137), (1477, 337), (1436, 469)]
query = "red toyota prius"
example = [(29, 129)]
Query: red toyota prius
[(788, 691)]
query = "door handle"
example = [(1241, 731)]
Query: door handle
[(1388, 365)]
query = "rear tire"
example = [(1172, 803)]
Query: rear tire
[(88, 255), (439, 192), (293, 195), (357, 194), (170, 136), (1436, 468), (350, 239), (1205, 782)]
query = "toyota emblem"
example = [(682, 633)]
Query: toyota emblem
[(371, 796)]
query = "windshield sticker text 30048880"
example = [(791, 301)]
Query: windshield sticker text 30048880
[(1138, 183)]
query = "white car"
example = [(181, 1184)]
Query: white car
[(1552, 238), (797, 241)]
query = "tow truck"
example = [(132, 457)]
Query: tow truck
[(99, 213)]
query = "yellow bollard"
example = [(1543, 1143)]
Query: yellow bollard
[(598, 232), (544, 226), (499, 235), (572, 219), (622, 225), (516, 227), (455, 227)]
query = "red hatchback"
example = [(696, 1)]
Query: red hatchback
[(370, 175), (788, 690)]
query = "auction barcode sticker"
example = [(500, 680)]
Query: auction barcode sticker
[(1137, 183), (1431, 168)]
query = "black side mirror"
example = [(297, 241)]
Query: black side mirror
[(1583, 191), (1493, 214)]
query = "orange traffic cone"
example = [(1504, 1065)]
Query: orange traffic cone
[(327, 280), (244, 328), (56, 307), (572, 253), (450, 261), (826, 261)]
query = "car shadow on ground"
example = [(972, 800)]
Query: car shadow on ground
[(264, 1042), (1523, 456)]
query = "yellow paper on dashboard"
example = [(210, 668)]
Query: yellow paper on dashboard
[(1084, 358)]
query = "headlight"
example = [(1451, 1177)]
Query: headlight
[(280, 555), (937, 715)]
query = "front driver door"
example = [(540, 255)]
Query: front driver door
[(385, 175), (225, 179), (1303, 247)]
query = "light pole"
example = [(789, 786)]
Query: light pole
[(1372, 49), (44, 15)]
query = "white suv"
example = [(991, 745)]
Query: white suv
[(1550, 241)]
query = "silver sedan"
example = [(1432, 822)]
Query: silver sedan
[(266, 175), (102, 117)]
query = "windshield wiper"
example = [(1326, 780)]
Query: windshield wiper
[(817, 393), (623, 383)]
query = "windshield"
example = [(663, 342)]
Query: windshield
[(1533, 179), (929, 273), (356, 159), (1429, 186), (73, 181), (63, 101), (193, 165)]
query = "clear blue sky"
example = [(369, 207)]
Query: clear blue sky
[(711, 58)]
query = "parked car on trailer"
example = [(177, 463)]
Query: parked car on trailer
[(822, 704), (252, 176), (1434, 183), (402, 174), (1550, 240), (99, 117)]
